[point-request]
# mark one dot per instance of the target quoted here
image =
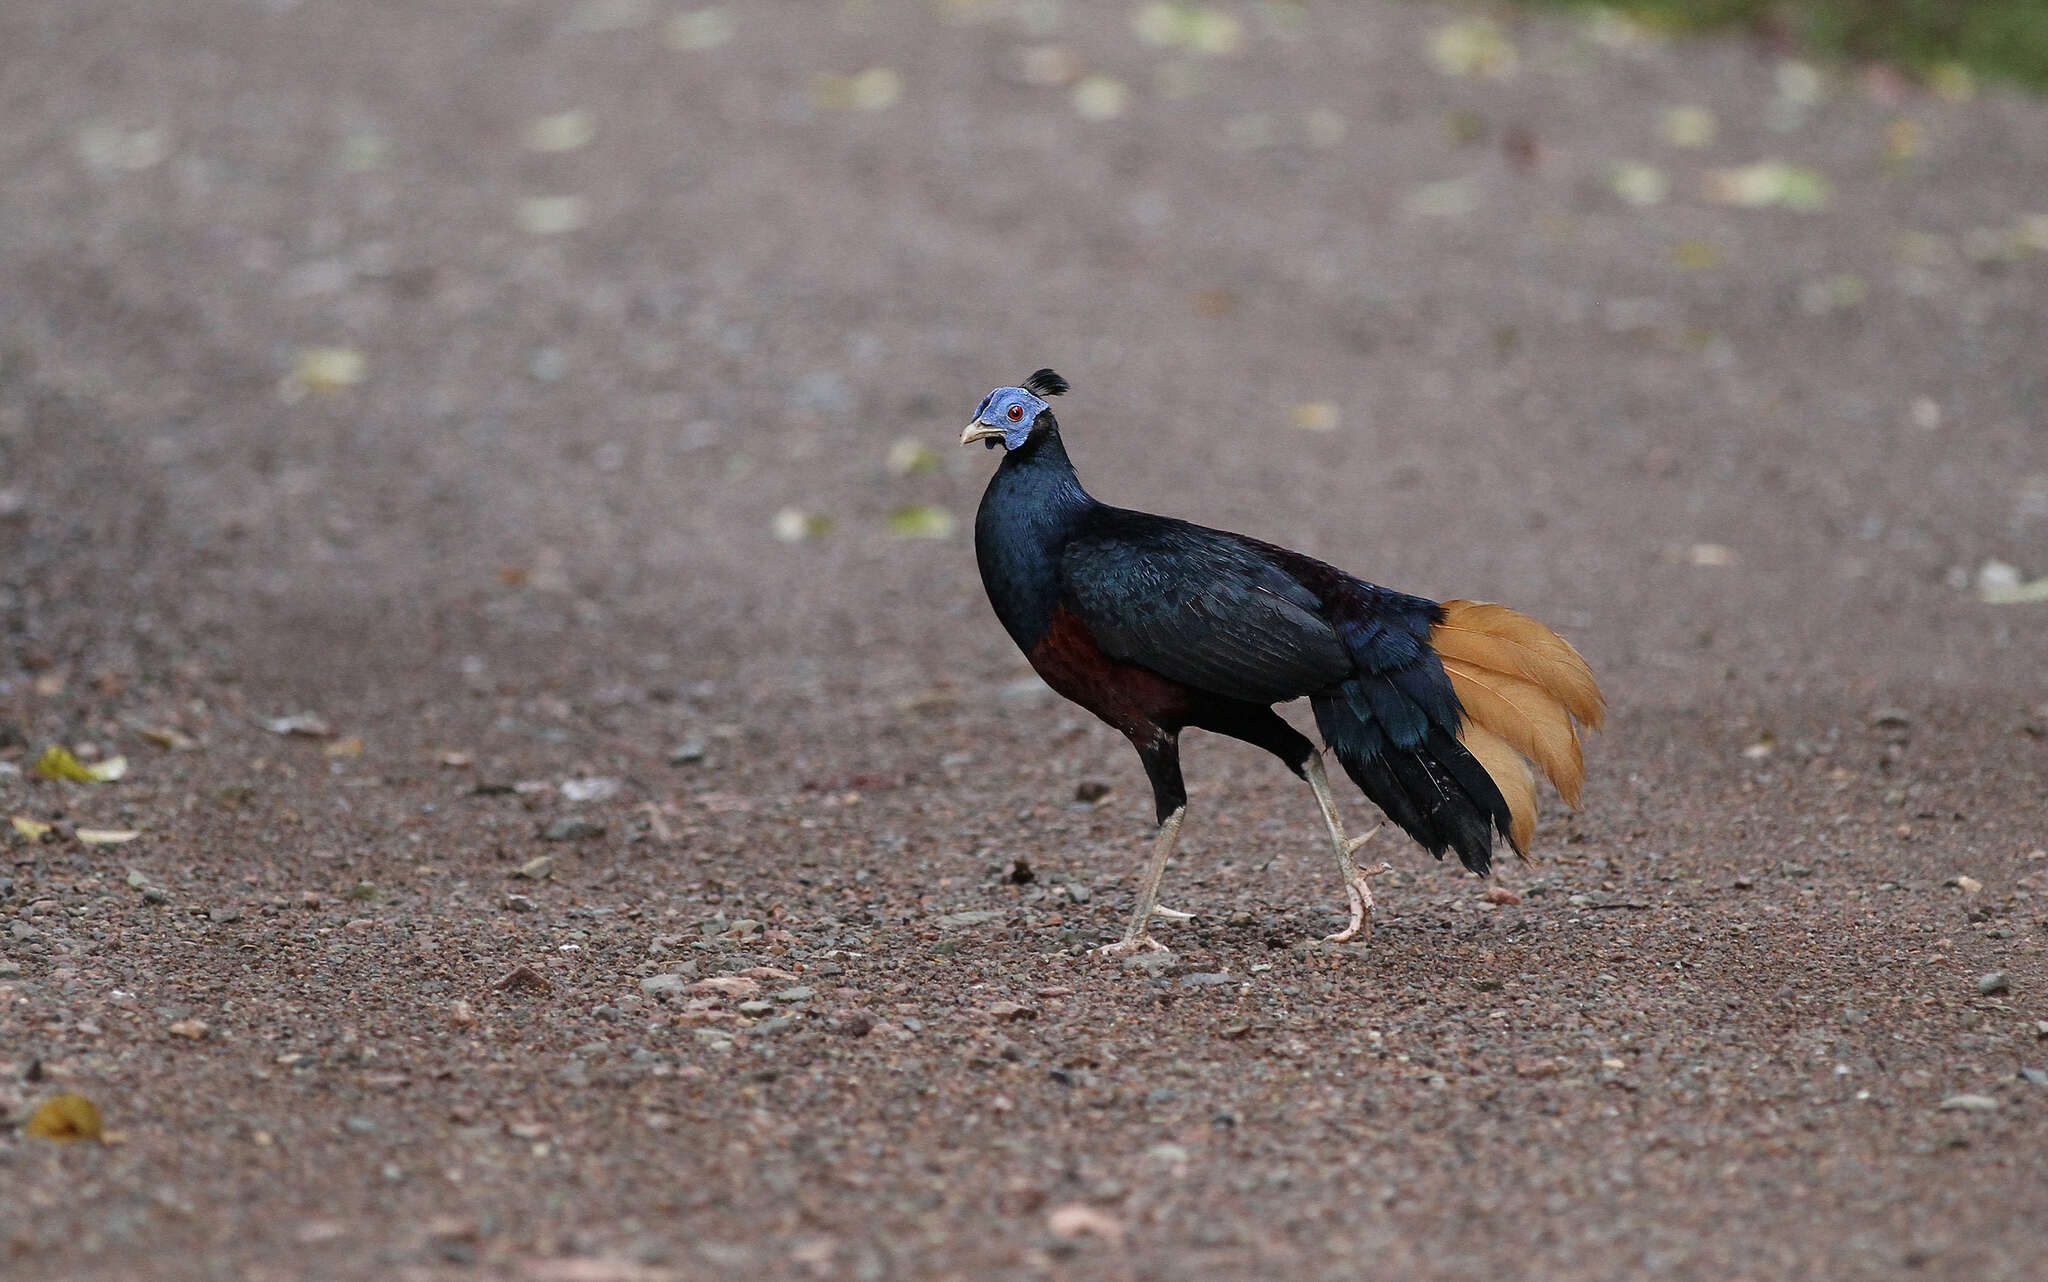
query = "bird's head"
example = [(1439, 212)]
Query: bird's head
[(1007, 416)]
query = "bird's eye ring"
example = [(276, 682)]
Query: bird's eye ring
[(1016, 413)]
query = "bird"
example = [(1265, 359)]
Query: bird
[(1437, 710)]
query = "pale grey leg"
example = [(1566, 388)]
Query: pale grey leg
[(1135, 939), (1355, 888)]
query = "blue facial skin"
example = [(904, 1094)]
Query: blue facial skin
[(995, 412)]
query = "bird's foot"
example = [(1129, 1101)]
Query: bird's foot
[(1359, 893), (1131, 944)]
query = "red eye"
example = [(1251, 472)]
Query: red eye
[(1016, 413)]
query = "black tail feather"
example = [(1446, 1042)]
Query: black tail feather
[(1433, 789)]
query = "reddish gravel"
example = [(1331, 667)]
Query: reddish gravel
[(802, 989)]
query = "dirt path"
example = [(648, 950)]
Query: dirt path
[(794, 988)]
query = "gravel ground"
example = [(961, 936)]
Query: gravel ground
[(674, 874)]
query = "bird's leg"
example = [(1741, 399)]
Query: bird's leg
[(1135, 939), (1355, 888)]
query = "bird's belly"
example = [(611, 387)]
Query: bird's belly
[(1137, 701)]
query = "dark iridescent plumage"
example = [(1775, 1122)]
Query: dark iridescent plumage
[(1156, 625)]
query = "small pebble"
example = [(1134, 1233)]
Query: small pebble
[(756, 1007), (536, 868), (519, 903), (1969, 1104), (1991, 983), (2034, 1075), (190, 1029), (573, 828), (792, 995), (978, 917), (687, 753)]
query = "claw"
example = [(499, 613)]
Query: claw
[(1359, 895), (1171, 914), (1351, 846), (1135, 944)]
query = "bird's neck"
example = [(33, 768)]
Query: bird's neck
[(1032, 506)]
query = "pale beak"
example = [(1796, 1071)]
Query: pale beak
[(979, 432)]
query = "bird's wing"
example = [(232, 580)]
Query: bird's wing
[(1208, 609)]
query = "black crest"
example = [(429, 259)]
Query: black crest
[(1045, 383)]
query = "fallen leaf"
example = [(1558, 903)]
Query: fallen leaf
[(328, 369), (167, 738), (107, 836), (349, 747), (921, 521), (1768, 183), (65, 1117), (1688, 126), (2013, 593), (794, 525), (563, 131), (1473, 47), (1639, 185), (1100, 98), (551, 215), (872, 90), (1197, 28), (56, 762), (910, 455), (306, 724), (1315, 416), (192, 1030), (32, 829)]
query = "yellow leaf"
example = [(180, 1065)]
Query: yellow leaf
[(910, 455), (1638, 184), (327, 369), (106, 836), (1100, 98), (65, 1117), (29, 828), (1315, 416), (349, 747), (1473, 47), (1688, 127), (564, 131), (58, 763), (921, 521)]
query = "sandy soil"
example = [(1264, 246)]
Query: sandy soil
[(799, 988)]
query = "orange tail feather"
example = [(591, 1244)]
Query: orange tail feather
[(1527, 694)]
